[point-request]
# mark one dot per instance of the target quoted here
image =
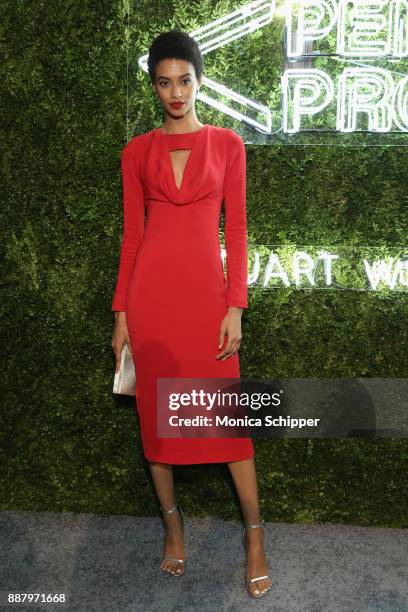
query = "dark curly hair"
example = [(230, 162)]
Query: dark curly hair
[(175, 44)]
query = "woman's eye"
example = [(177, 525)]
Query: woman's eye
[(165, 83)]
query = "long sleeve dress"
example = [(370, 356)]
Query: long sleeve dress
[(171, 281)]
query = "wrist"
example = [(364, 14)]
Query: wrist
[(236, 309), (120, 315)]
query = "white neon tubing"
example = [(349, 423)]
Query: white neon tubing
[(367, 21), (377, 103), (309, 27), (256, 269), (315, 83), (400, 28), (303, 265), (327, 259), (400, 104), (274, 262), (388, 272), (220, 32)]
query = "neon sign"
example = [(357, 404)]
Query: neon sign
[(288, 267), (365, 28), (362, 97)]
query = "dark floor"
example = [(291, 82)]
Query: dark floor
[(106, 563)]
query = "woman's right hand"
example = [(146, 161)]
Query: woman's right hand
[(120, 337)]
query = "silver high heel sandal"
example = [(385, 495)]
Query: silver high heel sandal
[(177, 572), (250, 580)]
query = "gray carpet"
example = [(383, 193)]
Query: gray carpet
[(112, 563)]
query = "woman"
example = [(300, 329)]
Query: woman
[(172, 304)]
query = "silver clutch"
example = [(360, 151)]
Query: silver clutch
[(125, 379)]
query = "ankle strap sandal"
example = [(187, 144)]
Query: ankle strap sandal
[(182, 561), (253, 525), (251, 580)]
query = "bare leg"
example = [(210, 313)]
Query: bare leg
[(244, 476), (162, 474)]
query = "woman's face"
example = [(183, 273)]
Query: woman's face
[(176, 82)]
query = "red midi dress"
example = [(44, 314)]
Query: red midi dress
[(171, 281)]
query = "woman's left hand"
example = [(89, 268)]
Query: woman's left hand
[(230, 325)]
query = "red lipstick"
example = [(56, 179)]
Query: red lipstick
[(176, 104)]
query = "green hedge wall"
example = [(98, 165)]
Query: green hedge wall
[(66, 442)]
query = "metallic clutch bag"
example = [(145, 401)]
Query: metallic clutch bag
[(125, 379)]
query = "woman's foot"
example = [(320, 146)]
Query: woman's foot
[(173, 555), (256, 562)]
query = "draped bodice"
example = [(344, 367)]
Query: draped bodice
[(176, 230), (201, 177)]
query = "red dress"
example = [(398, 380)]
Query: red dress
[(171, 281)]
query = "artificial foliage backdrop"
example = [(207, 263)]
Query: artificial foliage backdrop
[(72, 96)]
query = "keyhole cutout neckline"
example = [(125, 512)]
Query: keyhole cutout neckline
[(184, 168), (185, 141)]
